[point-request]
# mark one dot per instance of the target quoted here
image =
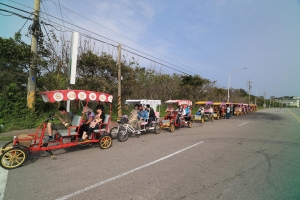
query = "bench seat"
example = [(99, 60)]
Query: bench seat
[(76, 122), (103, 126)]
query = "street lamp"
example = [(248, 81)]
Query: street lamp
[(228, 97)]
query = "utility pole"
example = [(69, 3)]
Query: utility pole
[(31, 87), (265, 97), (119, 83), (249, 87)]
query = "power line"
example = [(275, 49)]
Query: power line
[(61, 13), (120, 35), (108, 43), (102, 36), (13, 13), (176, 34), (113, 40), (131, 28)]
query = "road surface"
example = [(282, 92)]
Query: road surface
[(253, 156)]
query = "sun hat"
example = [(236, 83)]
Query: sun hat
[(87, 109)]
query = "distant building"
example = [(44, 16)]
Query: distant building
[(291, 102)]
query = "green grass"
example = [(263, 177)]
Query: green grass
[(5, 138)]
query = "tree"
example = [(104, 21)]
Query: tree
[(15, 58)]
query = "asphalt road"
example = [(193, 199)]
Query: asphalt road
[(253, 156)]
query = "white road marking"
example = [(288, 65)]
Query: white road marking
[(3, 179), (124, 174), (244, 123)]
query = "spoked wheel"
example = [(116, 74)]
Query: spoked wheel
[(172, 128), (157, 128), (105, 141), (190, 123), (114, 132), (122, 135), (13, 158)]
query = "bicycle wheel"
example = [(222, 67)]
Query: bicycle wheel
[(122, 135), (114, 132)]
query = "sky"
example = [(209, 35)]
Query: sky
[(211, 38)]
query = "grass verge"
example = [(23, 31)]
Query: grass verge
[(5, 138)]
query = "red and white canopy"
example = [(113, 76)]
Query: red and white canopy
[(84, 95), (180, 102)]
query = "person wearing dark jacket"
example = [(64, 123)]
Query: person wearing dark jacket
[(151, 114)]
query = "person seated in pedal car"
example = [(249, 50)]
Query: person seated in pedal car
[(152, 116), (133, 119), (187, 111), (211, 110), (199, 111), (90, 115), (65, 122), (143, 115), (95, 124), (180, 112), (170, 111)]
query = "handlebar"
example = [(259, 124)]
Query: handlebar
[(50, 117)]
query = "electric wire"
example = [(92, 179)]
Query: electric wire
[(61, 12), (24, 23), (103, 41), (131, 29), (166, 27), (120, 35), (102, 36)]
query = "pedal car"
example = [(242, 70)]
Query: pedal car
[(174, 118), (148, 124), (199, 116), (208, 110), (219, 110), (16, 152), (237, 109)]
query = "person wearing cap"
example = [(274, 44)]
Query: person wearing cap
[(142, 116), (89, 117), (98, 119)]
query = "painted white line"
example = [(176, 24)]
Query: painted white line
[(124, 174), (3, 179), (243, 123)]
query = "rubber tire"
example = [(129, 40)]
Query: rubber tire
[(172, 128), (190, 123), (157, 128), (105, 141), (25, 155), (122, 135), (113, 132), (10, 143)]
